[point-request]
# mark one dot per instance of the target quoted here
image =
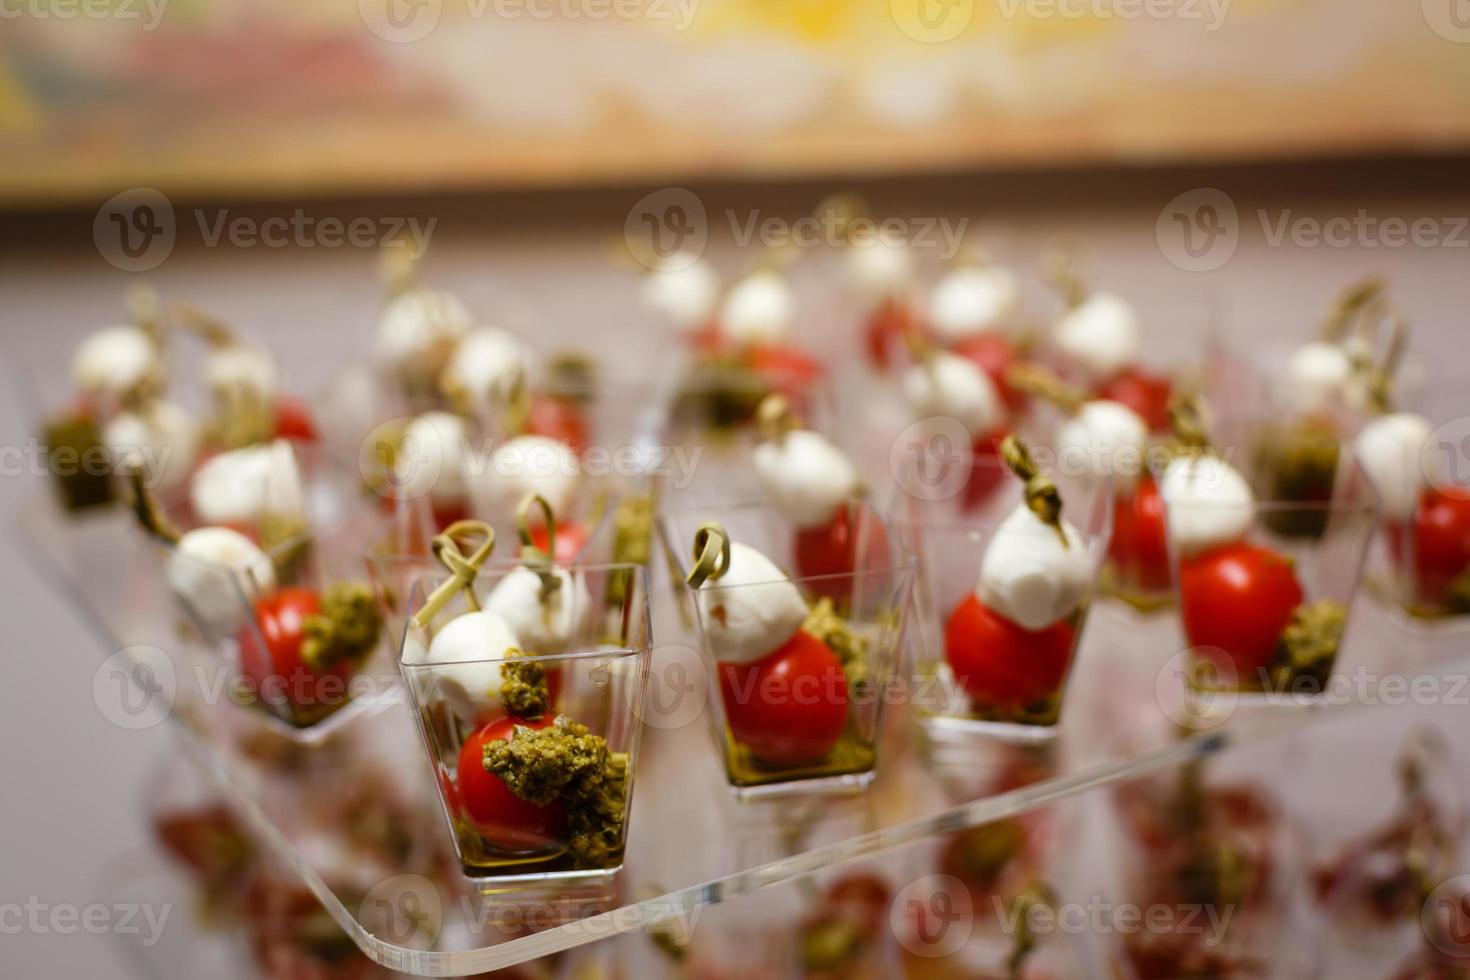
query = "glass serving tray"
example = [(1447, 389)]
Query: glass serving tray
[(353, 812)]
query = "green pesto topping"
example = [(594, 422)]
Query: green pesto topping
[(73, 445), (985, 851), (347, 628), (850, 647), (565, 762), (1457, 593), (523, 687), (1299, 465), (1309, 643), (830, 944)]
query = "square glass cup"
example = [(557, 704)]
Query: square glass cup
[(505, 842), (1262, 645), (244, 625), (784, 730), (983, 691)]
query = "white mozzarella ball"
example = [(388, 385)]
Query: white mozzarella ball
[(1317, 377), (529, 465), (806, 477), (759, 309), (161, 437), (954, 387), (971, 300), (548, 625), (214, 571), (750, 611), (1100, 335), (115, 360), (1208, 503), (1104, 439), (241, 367), (432, 458), (472, 647), (242, 485), (1029, 576), (416, 326), (879, 268), (486, 365), (684, 290), (1390, 449)]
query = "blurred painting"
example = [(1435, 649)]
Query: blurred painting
[(288, 96)]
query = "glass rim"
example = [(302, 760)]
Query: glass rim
[(574, 656), (440, 574)]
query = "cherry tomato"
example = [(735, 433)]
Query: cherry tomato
[(501, 817), (995, 354), (1001, 664), (862, 899), (708, 340), (1139, 546), (561, 419), (571, 538), (987, 470), (1238, 598), (270, 655), (788, 369), (890, 325), (1441, 543), (832, 548), (293, 420), (1145, 393), (790, 707)]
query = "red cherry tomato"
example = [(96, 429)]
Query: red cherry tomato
[(1145, 393), (832, 548), (708, 340), (1238, 598), (293, 420), (276, 668), (788, 369), (889, 326), (501, 817), (862, 899), (987, 470), (1001, 664), (995, 355), (571, 538), (1441, 543), (1139, 547), (790, 707), (561, 419)]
